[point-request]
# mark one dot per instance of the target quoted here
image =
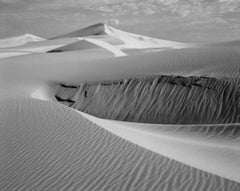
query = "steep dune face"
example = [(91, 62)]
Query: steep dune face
[(46, 146), (97, 29), (159, 99), (126, 40), (79, 45)]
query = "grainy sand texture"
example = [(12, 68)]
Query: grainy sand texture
[(104, 109)]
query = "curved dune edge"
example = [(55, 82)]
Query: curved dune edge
[(129, 40), (102, 35), (46, 146), (214, 156), (83, 67)]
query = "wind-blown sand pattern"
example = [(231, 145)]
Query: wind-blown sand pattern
[(142, 113), (65, 151), (159, 99)]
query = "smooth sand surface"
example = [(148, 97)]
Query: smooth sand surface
[(46, 146), (19, 40), (89, 66), (11, 53)]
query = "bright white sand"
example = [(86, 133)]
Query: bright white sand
[(98, 65), (216, 152), (47, 146), (105, 45), (136, 41)]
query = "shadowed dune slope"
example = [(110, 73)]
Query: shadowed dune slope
[(127, 39), (46, 146), (79, 45), (97, 29), (158, 99)]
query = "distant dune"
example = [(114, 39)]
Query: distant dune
[(140, 113), (19, 40), (97, 29), (79, 45)]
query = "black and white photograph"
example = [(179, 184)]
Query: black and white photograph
[(119, 95)]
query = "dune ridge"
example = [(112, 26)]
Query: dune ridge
[(19, 40), (91, 66), (213, 148), (185, 95), (78, 155)]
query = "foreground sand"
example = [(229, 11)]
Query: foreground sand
[(113, 74), (46, 146)]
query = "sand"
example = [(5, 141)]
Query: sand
[(189, 143), (46, 146), (213, 148), (158, 99), (19, 40)]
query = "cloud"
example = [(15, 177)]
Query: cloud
[(183, 8), (62, 15), (112, 22)]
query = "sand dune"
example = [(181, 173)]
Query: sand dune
[(206, 147), (158, 99), (117, 52), (11, 53), (79, 45), (190, 92), (169, 99), (97, 29), (40, 46), (19, 40), (129, 40), (82, 67), (45, 146)]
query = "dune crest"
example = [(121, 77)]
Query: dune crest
[(19, 40), (47, 146), (171, 113)]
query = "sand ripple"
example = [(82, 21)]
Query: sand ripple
[(46, 146), (158, 99)]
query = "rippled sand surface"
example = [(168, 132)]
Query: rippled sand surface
[(103, 109), (46, 146), (158, 99)]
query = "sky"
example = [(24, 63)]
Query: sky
[(180, 20)]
